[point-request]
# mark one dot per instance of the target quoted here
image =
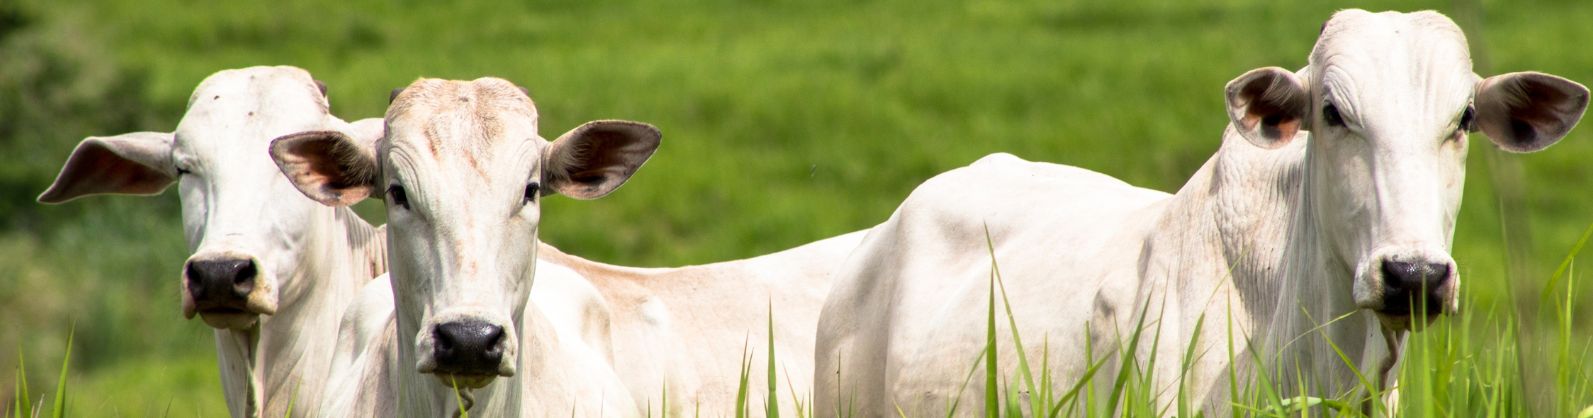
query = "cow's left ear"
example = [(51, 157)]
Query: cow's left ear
[(1268, 106), (136, 163), (597, 157), (327, 166), (1528, 111)]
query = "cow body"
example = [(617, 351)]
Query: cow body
[(681, 332)]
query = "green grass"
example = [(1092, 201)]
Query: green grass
[(784, 122)]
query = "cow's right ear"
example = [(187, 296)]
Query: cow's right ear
[(137, 163), (1268, 106), (328, 166)]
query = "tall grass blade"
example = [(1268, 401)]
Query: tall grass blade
[(1565, 264), (774, 384), (24, 401), (60, 385), (1036, 404), (992, 398), (741, 389)]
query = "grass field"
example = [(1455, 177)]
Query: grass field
[(784, 122)]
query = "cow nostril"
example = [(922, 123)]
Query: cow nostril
[(196, 280), (243, 280), (1411, 276)]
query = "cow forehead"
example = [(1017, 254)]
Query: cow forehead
[(251, 105), (1411, 62), (1393, 38), (473, 120)]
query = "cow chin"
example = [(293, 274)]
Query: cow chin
[(465, 381), (234, 320)]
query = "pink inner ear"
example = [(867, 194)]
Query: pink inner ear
[(96, 169), (326, 166)]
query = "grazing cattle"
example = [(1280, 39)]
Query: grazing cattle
[(463, 171), (1270, 243), (271, 271)]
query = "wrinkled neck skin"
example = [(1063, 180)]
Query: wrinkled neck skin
[(1276, 285), (424, 395), (1315, 310), (284, 358)]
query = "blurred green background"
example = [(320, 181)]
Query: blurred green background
[(784, 121)]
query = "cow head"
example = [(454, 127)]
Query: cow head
[(463, 172), (244, 223), (1390, 99)]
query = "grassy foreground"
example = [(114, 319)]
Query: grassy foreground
[(784, 121)]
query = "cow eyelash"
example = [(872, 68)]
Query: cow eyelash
[(400, 198), (1330, 114), (532, 191), (1468, 119)]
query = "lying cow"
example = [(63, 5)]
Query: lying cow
[(271, 270), (1269, 243)]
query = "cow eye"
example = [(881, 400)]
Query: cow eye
[(1468, 119), (400, 198), (1330, 114), (532, 191)]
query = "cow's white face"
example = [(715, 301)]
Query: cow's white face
[(463, 172), (244, 223), (1389, 99)]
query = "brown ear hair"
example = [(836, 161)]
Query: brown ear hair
[(136, 163), (1528, 111), (1268, 106), (327, 166), (597, 157)]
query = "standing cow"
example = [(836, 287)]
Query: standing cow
[(271, 270), (463, 173), (1274, 238)]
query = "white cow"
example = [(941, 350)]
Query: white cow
[(676, 331), (270, 270), (1276, 236), (463, 171)]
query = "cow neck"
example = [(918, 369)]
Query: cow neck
[(1315, 316), (341, 253), (1292, 292)]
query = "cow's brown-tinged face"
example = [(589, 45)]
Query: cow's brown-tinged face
[(463, 171)]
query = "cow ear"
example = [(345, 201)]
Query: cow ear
[(136, 163), (1528, 111), (328, 166), (592, 160), (1268, 106)]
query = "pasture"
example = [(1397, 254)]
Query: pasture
[(784, 122)]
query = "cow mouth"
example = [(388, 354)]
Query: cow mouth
[(228, 318), (465, 380), (1404, 320)]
